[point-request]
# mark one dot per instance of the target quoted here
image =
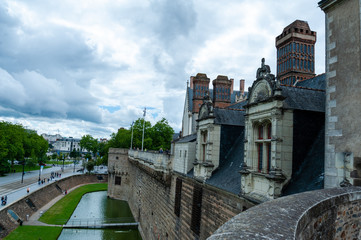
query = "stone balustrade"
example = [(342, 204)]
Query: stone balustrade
[(323, 214), (157, 161)]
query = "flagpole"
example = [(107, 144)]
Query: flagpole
[(145, 111)]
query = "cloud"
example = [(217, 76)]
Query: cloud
[(92, 67)]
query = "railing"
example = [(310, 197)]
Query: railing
[(101, 222), (158, 161)]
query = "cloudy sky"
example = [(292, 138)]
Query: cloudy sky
[(91, 66)]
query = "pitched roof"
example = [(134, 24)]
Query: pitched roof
[(303, 98), (227, 176), (188, 138), (228, 117), (238, 106), (317, 82)]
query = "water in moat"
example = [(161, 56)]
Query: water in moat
[(96, 207)]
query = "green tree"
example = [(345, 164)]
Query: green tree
[(162, 135), (90, 165), (89, 143), (17, 143)]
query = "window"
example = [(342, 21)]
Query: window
[(196, 209), (118, 180), (204, 145), (263, 145), (178, 195)]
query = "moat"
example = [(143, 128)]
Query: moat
[(97, 207)]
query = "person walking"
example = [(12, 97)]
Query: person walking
[(28, 190)]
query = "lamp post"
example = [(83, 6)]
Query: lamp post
[(22, 176), (131, 139), (145, 111), (63, 164), (39, 171)]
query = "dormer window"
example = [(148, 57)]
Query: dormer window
[(263, 146)]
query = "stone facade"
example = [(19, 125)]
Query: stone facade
[(342, 152), (153, 194), (184, 156), (208, 147)]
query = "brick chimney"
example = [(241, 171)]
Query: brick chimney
[(200, 84), (232, 85), (241, 86), (221, 91)]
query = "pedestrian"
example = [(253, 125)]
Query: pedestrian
[(28, 190)]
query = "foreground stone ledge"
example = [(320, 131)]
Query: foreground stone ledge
[(321, 214)]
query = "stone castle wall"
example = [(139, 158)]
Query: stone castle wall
[(29, 204), (322, 214), (151, 195)]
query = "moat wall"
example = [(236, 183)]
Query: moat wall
[(29, 204), (169, 205)]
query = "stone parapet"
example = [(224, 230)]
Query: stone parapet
[(154, 160), (322, 214)]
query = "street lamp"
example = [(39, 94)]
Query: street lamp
[(63, 163), (22, 176), (39, 171)]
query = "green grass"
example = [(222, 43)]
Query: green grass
[(19, 168), (60, 212), (34, 232), (60, 162)]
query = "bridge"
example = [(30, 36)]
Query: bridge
[(101, 223)]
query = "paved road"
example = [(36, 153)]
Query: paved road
[(12, 187)]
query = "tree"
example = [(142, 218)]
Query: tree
[(156, 137), (89, 143), (90, 165), (162, 135), (17, 143)]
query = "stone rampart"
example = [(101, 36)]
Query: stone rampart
[(323, 214), (29, 204), (169, 205)]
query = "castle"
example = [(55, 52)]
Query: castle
[(286, 135)]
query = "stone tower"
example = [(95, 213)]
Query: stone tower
[(343, 111), (222, 90), (295, 53), (200, 85)]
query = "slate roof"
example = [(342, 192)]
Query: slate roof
[(228, 177), (239, 105), (228, 117), (310, 175), (175, 136), (189, 138), (317, 82), (303, 99)]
